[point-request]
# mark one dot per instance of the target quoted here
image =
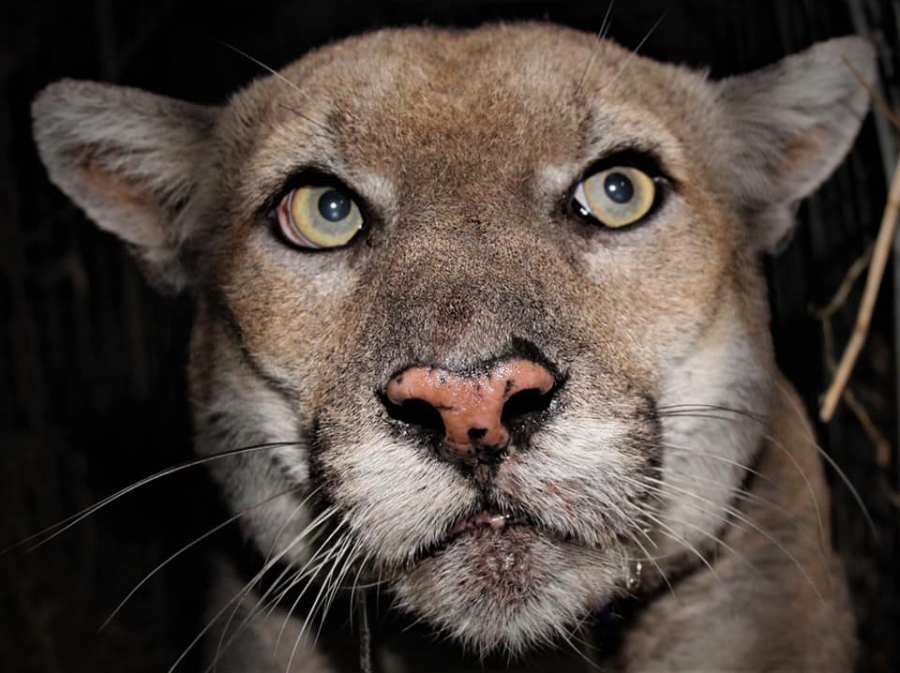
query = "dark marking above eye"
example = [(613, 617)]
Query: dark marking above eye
[(618, 187), (334, 205)]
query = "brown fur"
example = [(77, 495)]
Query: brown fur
[(463, 147)]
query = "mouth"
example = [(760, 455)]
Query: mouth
[(487, 525), (485, 519)]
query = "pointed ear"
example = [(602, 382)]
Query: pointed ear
[(791, 124), (130, 159)]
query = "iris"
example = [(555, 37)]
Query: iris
[(618, 187), (334, 205)]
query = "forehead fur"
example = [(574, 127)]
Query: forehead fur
[(494, 103)]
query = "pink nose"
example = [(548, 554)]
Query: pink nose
[(471, 407)]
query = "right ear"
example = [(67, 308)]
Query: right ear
[(131, 160)]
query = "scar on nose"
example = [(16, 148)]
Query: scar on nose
[(477, 433)]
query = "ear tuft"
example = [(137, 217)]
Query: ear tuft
[(791, 125), (130, 159)]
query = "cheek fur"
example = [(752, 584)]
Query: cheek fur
[(714, 407)]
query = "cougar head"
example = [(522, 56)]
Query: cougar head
[(469, 279)]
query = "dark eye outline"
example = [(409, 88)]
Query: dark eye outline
[(314, 177), (640, 160)]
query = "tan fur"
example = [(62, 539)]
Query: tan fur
[(464, 146)]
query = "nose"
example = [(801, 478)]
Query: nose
[(475, 409)]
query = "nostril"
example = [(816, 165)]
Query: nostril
[(526, 405), (477, 434), (417, 413), (469, 411)]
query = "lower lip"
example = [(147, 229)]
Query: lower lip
[(493, 521)]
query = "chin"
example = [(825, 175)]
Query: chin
[(508, 588)]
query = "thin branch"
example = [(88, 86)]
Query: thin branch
[(840, 297), (880, 256), (882, 445), (879, 101)]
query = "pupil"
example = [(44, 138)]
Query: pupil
[(334, 205), (618, 187)]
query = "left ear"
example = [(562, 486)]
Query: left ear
[(791, 124)]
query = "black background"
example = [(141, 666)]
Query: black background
[(91, 361)]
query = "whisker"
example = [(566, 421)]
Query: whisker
[(717, 540), (675, 409), (670, 532), (281, 78), (811, 439), (778, 444), (634, 52), (344, 542), (305, 117), (710, 535), (567, 638), (190, 545), (287, 522), (737, 492), (329, 555), (309, 528), (237, 596), (350, 558), (259, 607), (799, 412), (291, 577), (604, 27), (654, 560), (749, 522), (828, 459), (712, 456), (262, 65), (62, 526), (321, 604)]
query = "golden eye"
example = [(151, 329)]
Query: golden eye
[(617, 196), (319, 217)]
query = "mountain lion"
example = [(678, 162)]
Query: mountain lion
[(481, 356)]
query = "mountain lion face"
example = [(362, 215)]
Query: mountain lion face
[(496, 294)]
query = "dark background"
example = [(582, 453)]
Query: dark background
[(91, 361)]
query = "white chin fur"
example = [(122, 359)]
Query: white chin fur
[(496, 593)]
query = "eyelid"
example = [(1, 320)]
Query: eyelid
[(643, 159), (316, 176)]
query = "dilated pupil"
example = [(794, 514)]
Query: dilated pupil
[(334, 205), (618, 187)]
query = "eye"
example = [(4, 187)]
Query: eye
[(616, 196), (316, 218)]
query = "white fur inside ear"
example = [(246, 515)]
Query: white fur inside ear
[(790, 125), (130, 159)]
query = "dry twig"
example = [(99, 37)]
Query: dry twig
[(881, 443), (880, 256)]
